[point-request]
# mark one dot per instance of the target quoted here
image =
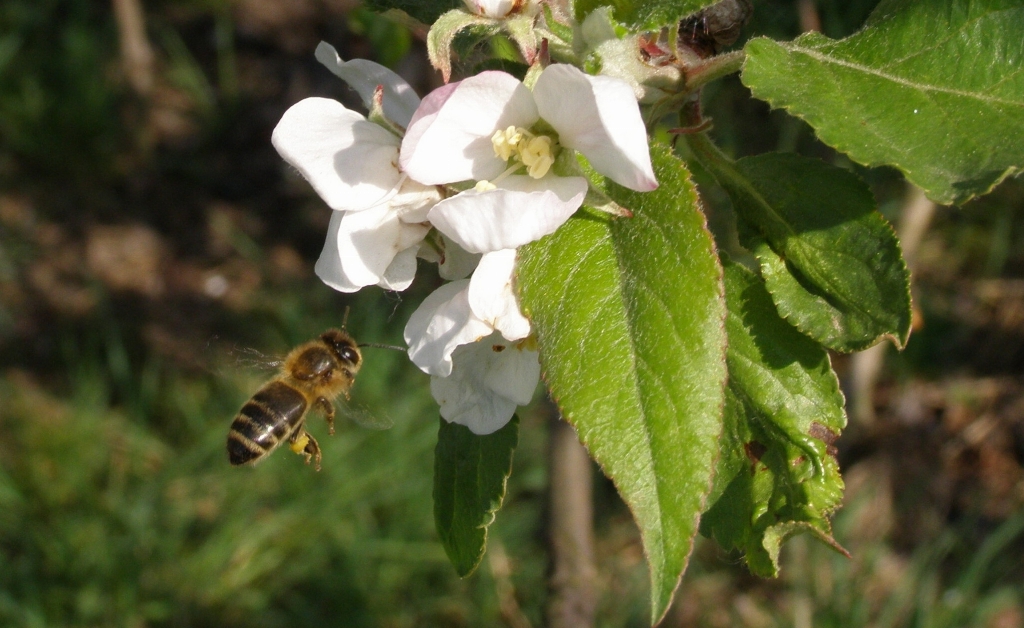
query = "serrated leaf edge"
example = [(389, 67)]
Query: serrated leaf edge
[(931, 194), (489, 515)]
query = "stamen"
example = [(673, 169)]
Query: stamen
[(487, 186), (505, 142), (536, 152), (511, 170), (537, 156)]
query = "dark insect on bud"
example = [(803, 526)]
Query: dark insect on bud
[(718, 26)]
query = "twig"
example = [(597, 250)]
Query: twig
[(809, 18), (572, 597), (136, 52)]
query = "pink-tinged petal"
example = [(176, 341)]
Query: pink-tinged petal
[(522, 210), (489, 379), (598, 116), (440, 324), (449, 137), (362, 75), (362, 246), (491, 297), (430, 105), (351, 163)]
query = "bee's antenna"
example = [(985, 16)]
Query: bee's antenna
[(344, 319), (380, 346)]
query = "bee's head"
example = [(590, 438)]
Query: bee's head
[(343, 347)]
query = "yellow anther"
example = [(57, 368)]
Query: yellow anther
[(505, 142), (537, 156), (484, 186), (536, 152)]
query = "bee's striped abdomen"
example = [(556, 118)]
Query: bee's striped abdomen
[(264, 422)]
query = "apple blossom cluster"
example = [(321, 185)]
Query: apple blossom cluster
[(462, 178)]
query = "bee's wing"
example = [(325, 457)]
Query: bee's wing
[(249, 357), (364, 418)]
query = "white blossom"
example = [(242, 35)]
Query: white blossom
[(490, 378), (352, 163), (456, 335), (464, 311), (490, 128), (449, 138), (440, 324)]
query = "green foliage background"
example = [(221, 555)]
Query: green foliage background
[(117, 506)]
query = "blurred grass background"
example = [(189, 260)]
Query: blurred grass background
[(149, 235)]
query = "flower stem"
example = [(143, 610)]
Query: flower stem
[(711, 157), (712, 69), (747, 201), (695, 77)]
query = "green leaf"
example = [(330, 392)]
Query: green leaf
[(836, 271), (389, 39), (443, 33), (777, 474), (932, 87), (831, 262), (644, 14), (629, 318), (426, 11), (522, 29), (470, 472)]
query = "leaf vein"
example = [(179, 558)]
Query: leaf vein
[(899, 80)]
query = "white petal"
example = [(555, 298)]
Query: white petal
[(453, 262), (413, 201), (401, 271), (449, 137), (400, 100), (440, 324), (491, 8), (490, 378), (362, 246), (598, 116), (428, 252), (458, 263), (351, 163), (512, 372), (491, 297), (522, 210), (480, 409), (330, 267)]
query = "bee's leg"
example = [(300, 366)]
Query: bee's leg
[(303, 443), (313, 449), (327, 408)]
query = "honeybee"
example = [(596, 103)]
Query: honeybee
[(310, 378)]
